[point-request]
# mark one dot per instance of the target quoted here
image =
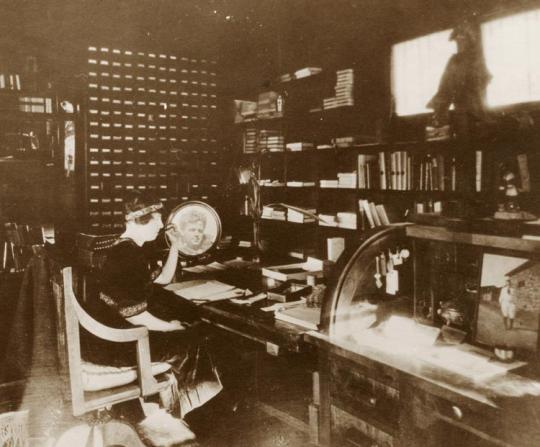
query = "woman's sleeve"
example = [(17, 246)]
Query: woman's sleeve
[(124, 285)]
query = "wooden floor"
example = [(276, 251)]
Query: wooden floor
[(248, 426), (236, 425)]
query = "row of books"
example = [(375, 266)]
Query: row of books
[(400, 171), (263, 141), (10, 81), (35, 104), (372, 215)]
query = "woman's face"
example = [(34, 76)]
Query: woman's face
[(150, 230)]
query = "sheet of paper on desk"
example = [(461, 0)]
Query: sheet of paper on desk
[(473, 366), (220, 296), (200, 290), (205, 268)]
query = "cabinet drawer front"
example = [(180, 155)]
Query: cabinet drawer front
[(368, 397), (350, 430)]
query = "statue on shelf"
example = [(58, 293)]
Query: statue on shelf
[(463, 85), (508, 208)]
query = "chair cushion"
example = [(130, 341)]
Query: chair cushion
[(101, 377)]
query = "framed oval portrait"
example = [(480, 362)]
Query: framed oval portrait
[(197, 225)]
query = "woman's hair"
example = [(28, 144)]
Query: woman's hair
[(135, 201)]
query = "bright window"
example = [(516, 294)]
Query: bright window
[(512, 51), (417, 67)]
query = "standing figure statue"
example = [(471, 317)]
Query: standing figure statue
[(463, 83)]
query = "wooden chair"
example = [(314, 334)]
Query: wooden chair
[(112, 432)]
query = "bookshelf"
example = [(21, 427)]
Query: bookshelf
[(32, 134), (151, 125), (339, 160)]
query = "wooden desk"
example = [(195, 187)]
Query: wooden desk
[(249, 321), (283, 379), (400, 400)]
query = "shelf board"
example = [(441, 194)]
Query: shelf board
[(485, 240)]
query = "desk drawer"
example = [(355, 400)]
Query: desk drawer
[(475, 418), (366, 397), (348, 430)]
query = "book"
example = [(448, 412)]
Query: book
[(478, 171), (334, 246), (383, 217), (374, 214), (364, 204), (524, 174)]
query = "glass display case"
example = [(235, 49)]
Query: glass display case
[(370, 284)]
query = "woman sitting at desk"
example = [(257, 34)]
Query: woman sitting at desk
[(127, 297)]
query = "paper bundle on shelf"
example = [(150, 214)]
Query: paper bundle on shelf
[(328, 183), (267, 105), (328, 220), (298, 217), (270, 141), (347, 179), (307, 71), (346, 219), (274, 213), (299, 183), (300, 146)]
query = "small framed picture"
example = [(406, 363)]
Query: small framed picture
[(509, 302), (198, 227)]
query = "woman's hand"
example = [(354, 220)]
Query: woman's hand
[(176, 325), (174, 236)]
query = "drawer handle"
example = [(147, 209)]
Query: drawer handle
[(457, 412), (372, 401)]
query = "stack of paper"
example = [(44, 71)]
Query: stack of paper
[(274, 213), (300, 146), (299, 183), (204, 268), (205, 290), (328, 183), (344, 90), (307, 317), (347, 179), (298, 217), (346, 220), (307, 71), (328, 220)]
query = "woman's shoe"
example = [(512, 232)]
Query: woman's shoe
[(161, 429)]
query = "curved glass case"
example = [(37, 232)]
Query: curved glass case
[(369, 285)]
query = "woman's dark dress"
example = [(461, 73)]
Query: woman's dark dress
[(126, 289)]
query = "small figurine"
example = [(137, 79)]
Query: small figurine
[(509, 209)]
